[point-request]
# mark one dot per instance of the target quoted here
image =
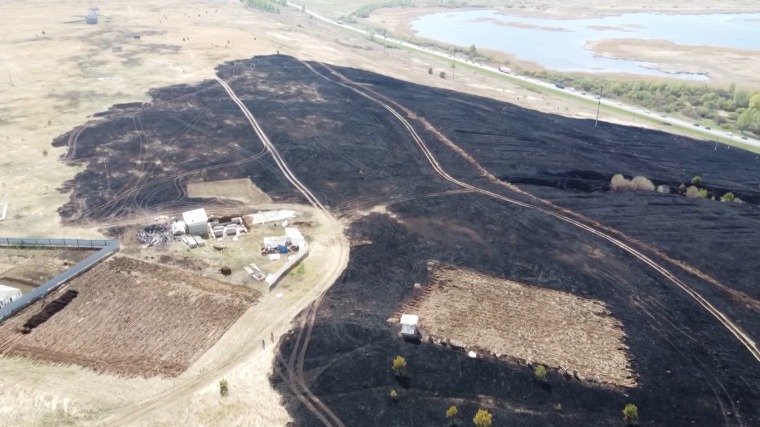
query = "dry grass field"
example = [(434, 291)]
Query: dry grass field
[(57, 72), (127, 317), (241, 190), (499, 316), (26, 268)]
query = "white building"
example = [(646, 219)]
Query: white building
[(196, 221), (295, 236), (409, 326), (8, 294)]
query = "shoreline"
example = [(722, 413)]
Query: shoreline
[(668, 56)]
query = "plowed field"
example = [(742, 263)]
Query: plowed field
[(127, 317)]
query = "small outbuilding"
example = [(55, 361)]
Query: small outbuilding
[(409, 329), (196, 221), (295, 236)]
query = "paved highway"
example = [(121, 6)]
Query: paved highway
[(712, 133)]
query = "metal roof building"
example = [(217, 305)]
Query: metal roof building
[(196, 221), (295, 236)]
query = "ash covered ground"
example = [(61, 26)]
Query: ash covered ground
[(354, 155)]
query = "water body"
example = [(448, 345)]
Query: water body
[(559, 43)]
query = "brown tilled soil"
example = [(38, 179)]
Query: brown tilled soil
[(127, 317), (524, 322)]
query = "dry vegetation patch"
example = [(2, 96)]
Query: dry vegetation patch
[(128, 317), (26, 268), (525, 322), (242, 190)]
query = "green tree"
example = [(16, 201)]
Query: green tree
[(702, 193), (204, 175), (696, 180), (394, 395), (540, 372), (728, 197), (442, 74), (224, 387), (630, 413), (473, 51), (483, 418), (430, 71), (451, 413), (399, 363)]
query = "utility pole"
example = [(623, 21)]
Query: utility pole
[(598, 106), (453, 67)]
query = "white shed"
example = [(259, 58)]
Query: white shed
[(8, 294), (295, 236), (409, 326), (196, 221)]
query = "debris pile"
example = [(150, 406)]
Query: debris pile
[(156, 234)]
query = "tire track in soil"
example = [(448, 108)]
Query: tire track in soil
[(562, 215), (294, 377), (294, 367)]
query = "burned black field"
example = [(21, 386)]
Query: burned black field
[(354, 155)]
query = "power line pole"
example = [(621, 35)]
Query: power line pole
[(598, 106)]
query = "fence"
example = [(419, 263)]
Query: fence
[(107, 247), (55, 243)]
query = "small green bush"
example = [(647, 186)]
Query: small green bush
[(630, 413), (224, 387), (483, 418), (540, 372), (451, 413), (728, 197), (399, 363), (696, 180)]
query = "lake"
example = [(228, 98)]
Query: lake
[(559, 43)]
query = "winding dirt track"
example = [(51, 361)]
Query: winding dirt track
[(743, 338), (294, 367)]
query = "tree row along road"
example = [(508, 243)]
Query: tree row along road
[(293, 377), (743, 338), (524, 80)]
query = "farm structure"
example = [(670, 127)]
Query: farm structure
[(274, 246), (269, 216), (409, 326), (127, 317), (196, 221), (498, 316)]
